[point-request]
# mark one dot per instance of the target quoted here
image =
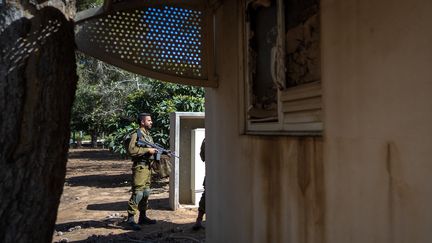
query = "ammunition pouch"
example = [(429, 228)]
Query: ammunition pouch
[(162, 166)]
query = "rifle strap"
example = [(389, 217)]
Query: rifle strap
[(140, 138), (139, 134)]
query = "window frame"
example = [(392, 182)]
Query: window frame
[(304, 99)]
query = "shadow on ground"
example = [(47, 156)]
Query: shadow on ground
[(156, 203), (111, 181), (112, 223), (163, 231), (114, 206), (100, 181), (93, 154)]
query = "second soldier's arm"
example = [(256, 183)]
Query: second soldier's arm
[(202, 151)]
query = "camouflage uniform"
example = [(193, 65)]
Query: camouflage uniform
[(201, 204), (201, 209), (141, 173)]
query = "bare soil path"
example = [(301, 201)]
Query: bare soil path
[(94, 201)]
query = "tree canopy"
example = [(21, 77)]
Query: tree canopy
[(108, 100)]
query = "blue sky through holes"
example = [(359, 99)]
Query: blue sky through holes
[(165, 39), (176, 35)]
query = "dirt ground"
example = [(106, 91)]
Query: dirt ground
[(94, 201)]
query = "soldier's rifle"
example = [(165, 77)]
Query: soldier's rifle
[(160, 150)]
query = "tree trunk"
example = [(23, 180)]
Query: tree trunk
[(94, 140), (37, 85), (79, 141), (74, 141)]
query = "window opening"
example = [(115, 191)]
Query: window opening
[(302, 42), (262, 38), (283, 76)]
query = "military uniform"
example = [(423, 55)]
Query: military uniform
[(141, 173), (201, 204), (201, 209)]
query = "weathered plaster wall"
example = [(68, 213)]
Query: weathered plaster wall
[(228, 188), (377, 61), (374, 181), (186, 126), (260, 188)]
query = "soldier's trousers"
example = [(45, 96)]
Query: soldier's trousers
[(201, 204), (140, 189)]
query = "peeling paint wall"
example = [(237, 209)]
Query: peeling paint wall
[(287, 188), (260, 188), (369, 178)]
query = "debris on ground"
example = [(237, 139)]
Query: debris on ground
[(94, 201)]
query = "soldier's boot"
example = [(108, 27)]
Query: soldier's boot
[(143, 219), (198, 224), (131, 222)]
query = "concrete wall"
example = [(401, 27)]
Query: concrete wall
[(197, 165), (187, 125), (373, 184), (182, 123)]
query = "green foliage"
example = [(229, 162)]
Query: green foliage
[(87, 106), (101, 96), (108, 99), (86, 4), (160, 99), (115, 141)]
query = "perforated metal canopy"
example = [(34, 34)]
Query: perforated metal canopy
[(166, 40)]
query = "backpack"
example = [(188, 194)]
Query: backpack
[(125, 141), (163, 166)]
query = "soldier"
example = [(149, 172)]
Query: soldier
[(141, 172), (201, 209)]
